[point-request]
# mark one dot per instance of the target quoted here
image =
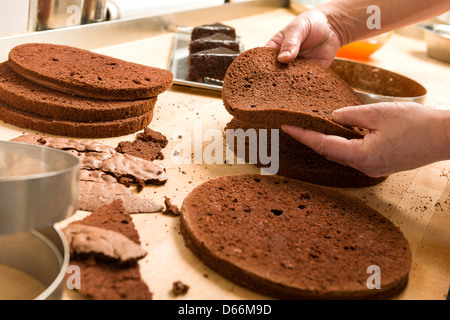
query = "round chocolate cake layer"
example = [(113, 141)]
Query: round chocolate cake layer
[(30, 97), (257, 88), (293, 240), (87, 74), (104, 129)]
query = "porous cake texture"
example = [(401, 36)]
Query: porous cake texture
[(259, 89), (293, 240)]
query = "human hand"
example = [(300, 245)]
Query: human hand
[(308, 35), (401, 136)]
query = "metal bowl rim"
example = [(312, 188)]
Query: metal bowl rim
[(380, 96), (35, 176)]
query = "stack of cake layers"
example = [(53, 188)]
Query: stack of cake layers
[(73, 92), (211, 50)]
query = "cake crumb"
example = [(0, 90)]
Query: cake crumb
[(179, 288), (170, 208), (42, 140), (126, 181)]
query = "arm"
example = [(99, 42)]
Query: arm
[(401, 136), (320, 32)]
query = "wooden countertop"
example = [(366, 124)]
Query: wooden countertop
[(417, 201)]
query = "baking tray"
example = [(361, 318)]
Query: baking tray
[(179, 61)]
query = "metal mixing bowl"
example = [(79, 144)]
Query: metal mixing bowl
[(375, 84), (38, 186)]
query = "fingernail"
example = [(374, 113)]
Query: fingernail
[(284, 54)]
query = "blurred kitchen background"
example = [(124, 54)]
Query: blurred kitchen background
[(25, 16), (21, 16)]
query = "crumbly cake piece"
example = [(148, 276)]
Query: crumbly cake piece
[(293, 240), (102, 280), (98, 189), (150, 135), (97, 156), (148, 145), (141, 149)]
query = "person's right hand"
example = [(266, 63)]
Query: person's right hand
[(309, 35), (401, 136)]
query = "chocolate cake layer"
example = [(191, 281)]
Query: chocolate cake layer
[(102, 129), (297, 161), (33, 98), (293, 240), (259, 89), (87, 74)]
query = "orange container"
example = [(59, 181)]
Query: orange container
[(361, 50)]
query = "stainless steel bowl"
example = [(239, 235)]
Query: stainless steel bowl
[(41, 255), (53, 14), (375, 84), (38, 186), (437, 37)]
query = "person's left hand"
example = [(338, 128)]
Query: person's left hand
[(309, 35)]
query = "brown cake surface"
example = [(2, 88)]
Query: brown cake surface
[(293, 240), (141, 149), (88, 74), (297, 161), (110, 281), (210, 29), (103, 129), (211, 63), (259, 89), (29, 97), (114, 217), (214, 41)]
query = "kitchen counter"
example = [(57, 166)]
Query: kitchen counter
[(417, 201)]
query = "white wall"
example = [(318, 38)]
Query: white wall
[(14, 13), (13, 17), (123, 9)]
